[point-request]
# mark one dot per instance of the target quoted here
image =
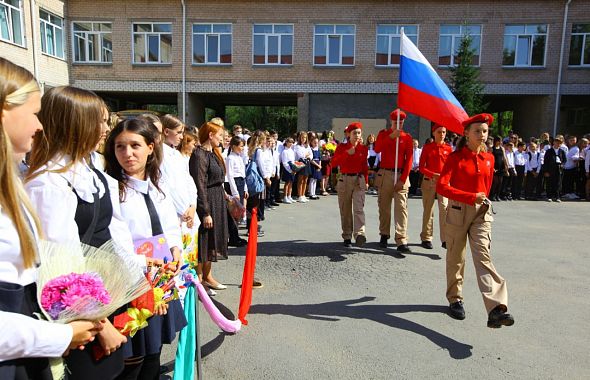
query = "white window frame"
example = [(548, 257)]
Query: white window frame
[(530, 52), (392, 36), (279, 35), (10, 9), (334, 34), (43, 25), (84, 35), (146, 42), (218, 34), (456, 41), (586, 37)]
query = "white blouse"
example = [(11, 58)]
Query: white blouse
[(135, 212), (175, 176), (56, 204), (235, 167), (302, 152), (288, 155)]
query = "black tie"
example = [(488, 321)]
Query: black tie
[(154, 219)]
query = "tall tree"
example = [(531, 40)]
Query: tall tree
[(465, 83)]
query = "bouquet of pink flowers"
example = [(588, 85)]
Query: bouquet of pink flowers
[(74, 292)]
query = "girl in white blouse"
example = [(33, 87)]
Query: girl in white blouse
[(302, 153), (133, 157), (288, 157), (77, 203), (21, 335)]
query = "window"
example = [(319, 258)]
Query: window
[(387, 52), (524, 45), (580, 45), (450, 41), (11, 22), (93, 42), (52, 35), (212, 44), (273, 44), (334, 45), (152, 42)]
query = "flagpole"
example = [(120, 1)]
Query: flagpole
[(397, 125)]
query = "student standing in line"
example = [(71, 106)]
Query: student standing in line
[(373, 161), (236, 179), (288, 157), (316, 167), (533, 168), (434, 155), (466, 180), (570, 169), (415, 172), (500, 169), (302, 154), (520, 157), (552, 169), (351, 157), (26, 341), (133, 157)]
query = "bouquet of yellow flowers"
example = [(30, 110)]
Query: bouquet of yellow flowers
[(329, 147)]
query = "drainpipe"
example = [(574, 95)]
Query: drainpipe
[(183, 61), (32, 9), (558, 91)]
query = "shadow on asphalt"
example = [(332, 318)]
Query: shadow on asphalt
[(334, 251), (333, 311)]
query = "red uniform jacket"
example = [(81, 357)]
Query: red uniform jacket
[(351, 164), (465, 174), (386, 146), (433, 158)]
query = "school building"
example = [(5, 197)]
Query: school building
[(335, 60)]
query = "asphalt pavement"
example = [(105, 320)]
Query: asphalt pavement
[(330, 312)]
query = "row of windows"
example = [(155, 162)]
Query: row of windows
[(333, 44)]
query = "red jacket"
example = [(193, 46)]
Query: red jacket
[(465, 174), (386, 146), (433, 158), (351, 164)]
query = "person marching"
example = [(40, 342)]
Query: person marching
[(352, 159), (434, 155), (393, 180), (466, 179)]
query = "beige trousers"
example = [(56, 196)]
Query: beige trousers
[(384, 183), (351, 199), (429, 195), (474, 222)]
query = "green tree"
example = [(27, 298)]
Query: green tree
[(465, 83), (281, 119)]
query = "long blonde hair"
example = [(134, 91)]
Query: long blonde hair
[(16, 85), (71, 126)]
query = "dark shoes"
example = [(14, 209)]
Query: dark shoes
[(360, 240), (403, 248), (257, 284), (457, 311), (498, 317), (238, 243), (347, 243), (444, 245), (427, 244), (383, 241)]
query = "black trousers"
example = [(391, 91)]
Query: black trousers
[(554, 184), (507, 183), (530, 188), (414, 182), (496, 184), (569, 180), (232, 227), (518, 181)]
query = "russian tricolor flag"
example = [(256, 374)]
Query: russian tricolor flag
[(422, 92)]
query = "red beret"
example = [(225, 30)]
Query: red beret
[(352, 126), (436, 126), (395, 112), (481, 118)]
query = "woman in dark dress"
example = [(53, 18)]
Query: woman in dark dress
[(208, 171)]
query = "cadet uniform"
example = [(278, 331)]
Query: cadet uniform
[(351, 187), (465, 174), (384, 182), (432, 161)]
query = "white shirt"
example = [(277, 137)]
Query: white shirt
[(97, 160), (176, 177), (416, 160), (302, 152), (235, 169), (520, 158), (279, 146), (135, 212), (573, 156), (22, 336), (288, 155), (372, 153), (510, 159), (56, 203), (276, 157), (587, 161), (534, 163), (265, 162)]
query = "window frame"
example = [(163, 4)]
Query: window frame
[(146, 42), (100, 39), (531, 36), (277, 34), (43, 25), (206, 47), (328, 35), (11, 8), (586, 37), (456, 39), (390, 36)]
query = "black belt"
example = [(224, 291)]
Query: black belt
[(391, 170), (353, 174)]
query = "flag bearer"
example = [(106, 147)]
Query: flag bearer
[(466, 179), (393, 180), (434, 155), (354, 169)]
